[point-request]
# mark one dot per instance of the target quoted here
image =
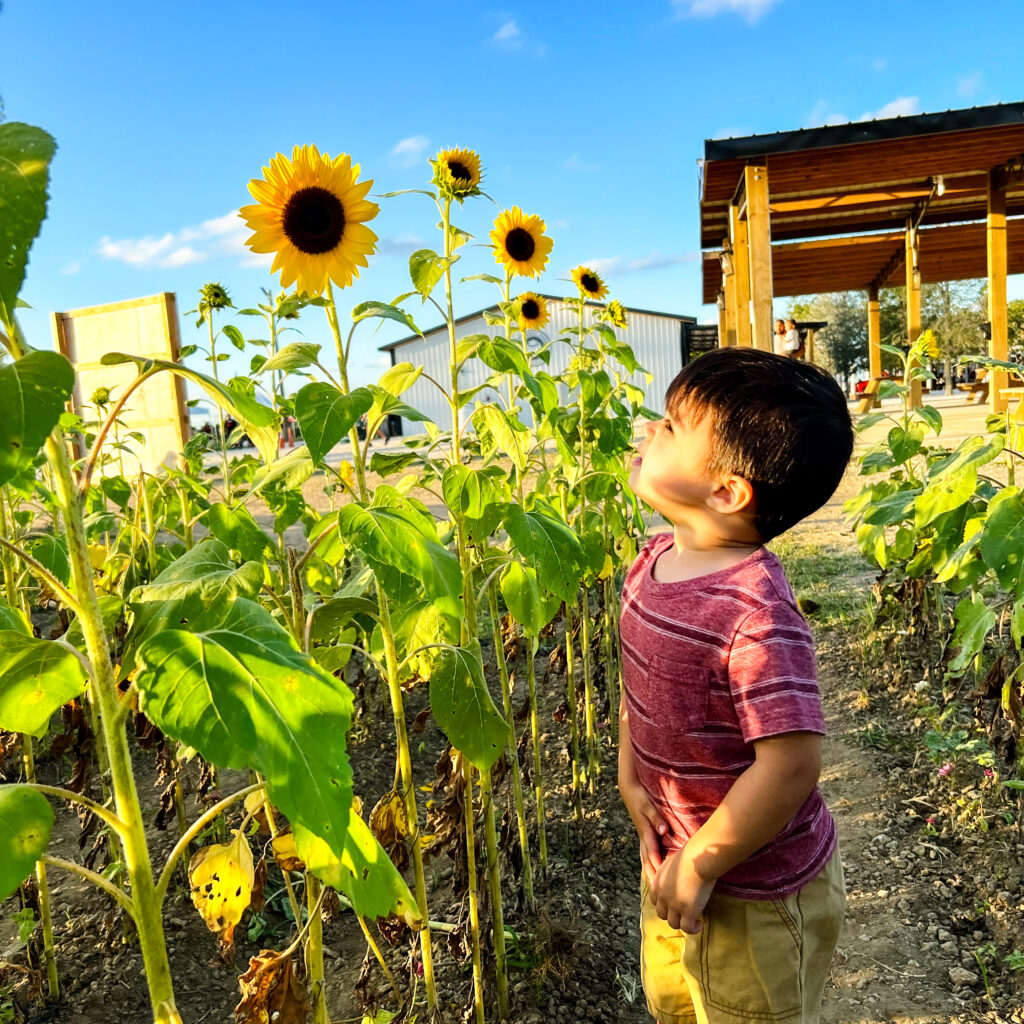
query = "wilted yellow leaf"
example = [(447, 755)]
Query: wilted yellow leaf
[(285, 854), (222, 877), (271, 994), (608, 568)]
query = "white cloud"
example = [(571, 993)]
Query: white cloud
[(750, 10), (576, 163), (622, 266), (969, 85), (222, 237), (821, 115), (407, 152), (509, 36), (903, 106), (72, 267)]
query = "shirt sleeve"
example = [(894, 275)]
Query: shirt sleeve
[(772, 674)]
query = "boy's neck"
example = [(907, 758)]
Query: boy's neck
[(694, 554)]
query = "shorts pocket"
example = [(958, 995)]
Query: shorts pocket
[(681, 693), (748, 959)]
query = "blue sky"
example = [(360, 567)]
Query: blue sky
[(591, 115)]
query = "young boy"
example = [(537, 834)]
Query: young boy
[(721, 722)]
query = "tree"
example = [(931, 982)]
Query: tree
[(955, 311), (1015, 329), (843, 344)]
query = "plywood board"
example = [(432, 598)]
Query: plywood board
[(140, 327)]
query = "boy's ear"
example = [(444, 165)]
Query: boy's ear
[(733, 494)]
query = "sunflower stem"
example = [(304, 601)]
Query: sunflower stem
[(513, 745), (220, 410), (474, 899), (538, 784), (494, 882)]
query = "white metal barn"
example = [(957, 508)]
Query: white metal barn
[(659, 340)]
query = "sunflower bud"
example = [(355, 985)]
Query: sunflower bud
[(617, 315), (212, 296), (100, 397), (457, 173)]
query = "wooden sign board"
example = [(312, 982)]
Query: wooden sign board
[(140, 327)]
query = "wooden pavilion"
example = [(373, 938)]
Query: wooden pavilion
[(896, 202)]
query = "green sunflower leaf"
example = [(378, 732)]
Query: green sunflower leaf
[(240, 692), (325, 415), (33, 391), (463, 707), (25, 155), (26, 819), (36, 678)]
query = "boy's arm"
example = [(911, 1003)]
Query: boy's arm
[(755, 810), (649, 823)]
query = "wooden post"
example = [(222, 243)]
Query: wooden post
[(741, 274), (809, 355), (874, 337), (913, 306), (759, 240), (723, 321), (728, 339), (995, 239)]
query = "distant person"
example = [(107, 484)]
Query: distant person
[(792, 342), (779, 338)]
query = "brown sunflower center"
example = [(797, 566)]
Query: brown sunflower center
[(531, 310), (460, 170), (314, 220), (590, 283), (519, 244)]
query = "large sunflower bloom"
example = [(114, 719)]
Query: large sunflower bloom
[(533, 311), (310, 213), (589, 282), (520, 243), (617, 314), (457, 173)]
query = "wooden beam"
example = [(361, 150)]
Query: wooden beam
[(995, 246), (723, 321), (759, 240), (874, 334), (913, 303), (740, 315)]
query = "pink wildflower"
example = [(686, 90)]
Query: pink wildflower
[(945, 769), (989, 774), (930, 821)]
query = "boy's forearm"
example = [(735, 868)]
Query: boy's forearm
[(627, 770), (761, 802)]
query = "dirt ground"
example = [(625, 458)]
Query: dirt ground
[(920, 906)]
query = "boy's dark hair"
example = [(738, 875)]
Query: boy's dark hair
[(780, 423)]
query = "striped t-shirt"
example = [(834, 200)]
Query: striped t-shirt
[(712, 664)]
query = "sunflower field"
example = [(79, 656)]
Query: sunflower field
[(450, 574)]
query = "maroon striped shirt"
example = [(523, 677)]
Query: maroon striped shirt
[(712, 664)]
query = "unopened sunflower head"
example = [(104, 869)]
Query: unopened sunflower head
[(533, 311), (311, 212), (213, 296), (589, 282), (457, 173), (520, 244), (928, 344), (617, 315)]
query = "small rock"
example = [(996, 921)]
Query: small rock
[(960, 976)]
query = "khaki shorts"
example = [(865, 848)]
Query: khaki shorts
[(754, 960)]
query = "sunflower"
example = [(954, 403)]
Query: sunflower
[(589, 283), (617, 315), (310, 213), (533, 311), (457, 173), (929, 344), (520, 243)]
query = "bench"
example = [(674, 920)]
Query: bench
[(869, 396), (1016, 392), (978, 388)]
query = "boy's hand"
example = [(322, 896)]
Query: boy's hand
[(679, 894), (650, 826)]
